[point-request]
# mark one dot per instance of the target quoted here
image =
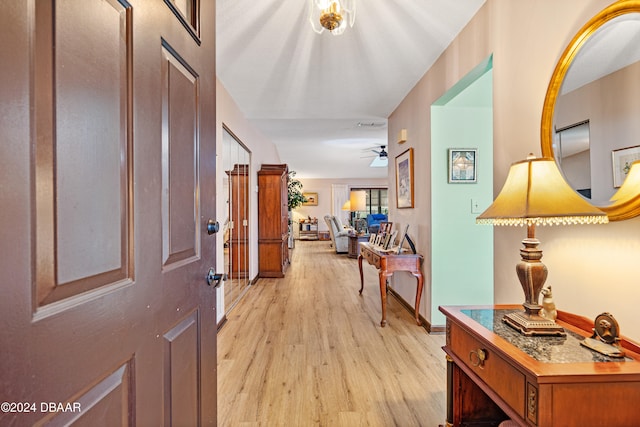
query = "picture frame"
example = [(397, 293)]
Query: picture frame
[(622, 159), (463, 166), (390, 239), (387, 239), (312, 199), (385, 227), (406, 238), (404, 179)]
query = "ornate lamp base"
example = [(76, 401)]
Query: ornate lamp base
[(532, 324)]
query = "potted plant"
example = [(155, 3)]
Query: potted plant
[(295, 199)]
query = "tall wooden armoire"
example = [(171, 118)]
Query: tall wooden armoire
[(239, 217), (273, 220)]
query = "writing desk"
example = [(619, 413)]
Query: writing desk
[(388, 263), (495, 373)]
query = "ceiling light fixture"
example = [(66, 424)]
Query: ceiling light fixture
[(332, 15), (379, 162)]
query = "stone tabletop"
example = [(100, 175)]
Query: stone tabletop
[(546, 349)]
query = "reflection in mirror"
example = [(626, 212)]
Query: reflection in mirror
[(236, 161), (573, 155), (594, 97)]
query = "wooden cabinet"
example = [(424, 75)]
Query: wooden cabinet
[(238, 244), (273, 220), (495, 373)]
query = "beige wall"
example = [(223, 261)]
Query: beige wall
[(590, 267)]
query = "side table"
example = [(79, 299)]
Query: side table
[(354, 249)]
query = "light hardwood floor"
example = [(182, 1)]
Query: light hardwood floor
[(309, 350)]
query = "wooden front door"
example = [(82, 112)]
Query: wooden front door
[(107, 162)]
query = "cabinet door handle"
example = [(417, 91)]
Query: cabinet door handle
[(477, 357)]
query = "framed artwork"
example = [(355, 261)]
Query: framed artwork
[(312, 199), (404, 179), (463, 165), (622, 159)]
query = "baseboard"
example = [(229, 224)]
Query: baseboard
[(425, 324), (221, 323)]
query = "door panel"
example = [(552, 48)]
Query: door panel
[(108, 180), (179, 160), (181, 373), (82, 179), (104, 404)]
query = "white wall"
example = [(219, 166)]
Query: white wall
[(591, 268)]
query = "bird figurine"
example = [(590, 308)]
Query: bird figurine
[(548, 306)]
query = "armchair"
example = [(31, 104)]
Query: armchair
[(339, 235), (373, 222)]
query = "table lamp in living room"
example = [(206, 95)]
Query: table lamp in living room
[(347, 208), (357, 202), (535, 193)]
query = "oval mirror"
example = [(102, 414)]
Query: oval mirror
[(591, 113)]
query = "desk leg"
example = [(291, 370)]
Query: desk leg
[(361, 276), (383, 275), (450, 402), (420, 278)]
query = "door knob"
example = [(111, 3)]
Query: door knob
[(212, 227), (214, 278)]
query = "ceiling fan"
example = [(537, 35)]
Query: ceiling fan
[(379, 153), (381, 159)]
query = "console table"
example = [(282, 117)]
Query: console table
[(495, 373), (388, 263)]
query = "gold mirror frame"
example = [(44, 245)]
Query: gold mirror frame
[(625, 207)]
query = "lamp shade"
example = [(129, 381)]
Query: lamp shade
[(346, 206), (358, 200), (630, 186), (536, 193)]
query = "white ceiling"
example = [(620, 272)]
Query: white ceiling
[(323, 99)]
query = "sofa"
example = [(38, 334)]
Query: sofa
[(339, 235), (373, 222)]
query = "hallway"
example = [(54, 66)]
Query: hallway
[(308, 350)]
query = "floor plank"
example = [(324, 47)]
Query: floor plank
[(309, 350)]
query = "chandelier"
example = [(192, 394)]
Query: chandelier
[(332, 15)]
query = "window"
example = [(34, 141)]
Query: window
[(376, 201)]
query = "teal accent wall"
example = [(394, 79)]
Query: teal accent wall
[(462, 251)]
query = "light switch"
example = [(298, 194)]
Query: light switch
[(475, 206)]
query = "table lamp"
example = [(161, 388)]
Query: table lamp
[(536, 193), (357, 202), (347, 207)]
